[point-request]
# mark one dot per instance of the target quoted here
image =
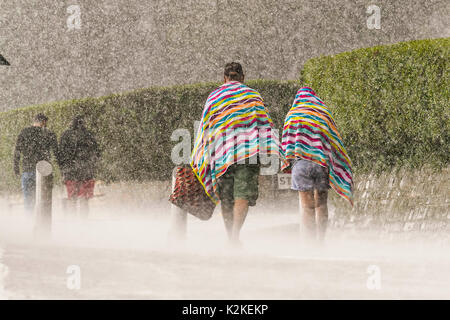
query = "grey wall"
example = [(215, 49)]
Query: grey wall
[(128, 44)]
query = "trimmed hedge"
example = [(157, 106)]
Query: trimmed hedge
[(391, 103), (134, 128)]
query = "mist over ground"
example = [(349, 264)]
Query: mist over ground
[(125, 252)]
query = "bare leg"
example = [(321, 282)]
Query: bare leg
[(227, 214), (178, 227), (71, 208), (84, 208), (239, 215), (321, 208), (72, 200), (308, 214)]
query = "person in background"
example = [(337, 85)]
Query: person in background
[(319, 160), (78, 158), (34, 144), (234, 135)]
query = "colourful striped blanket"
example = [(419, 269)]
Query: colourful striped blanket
[(235, 126), (310, 133)]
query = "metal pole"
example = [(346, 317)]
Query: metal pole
[(44, 187), (178, 227)]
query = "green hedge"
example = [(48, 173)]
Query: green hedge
[(134, 128), (391, 103)]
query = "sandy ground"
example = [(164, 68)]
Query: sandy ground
[(130, 257)]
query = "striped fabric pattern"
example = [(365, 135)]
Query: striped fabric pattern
[(310, 133), (235, 126)]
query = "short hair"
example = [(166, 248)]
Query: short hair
[(40, 117), (233, 71)]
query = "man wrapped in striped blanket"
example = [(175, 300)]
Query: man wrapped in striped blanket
[(235, 136)]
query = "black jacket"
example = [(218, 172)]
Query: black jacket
[(79, 154), (33, 145)]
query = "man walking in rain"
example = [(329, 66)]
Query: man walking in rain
[(78, 158), (33, 144), (234, 138)]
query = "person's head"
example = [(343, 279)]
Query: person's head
[(308, 90), (233, 72), (40, 120), (78, 122)]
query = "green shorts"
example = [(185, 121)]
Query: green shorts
[(239, 182)]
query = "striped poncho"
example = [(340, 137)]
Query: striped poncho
[(310, 133), (235, 126)]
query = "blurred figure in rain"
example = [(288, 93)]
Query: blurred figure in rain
[(234, 139), (34, 144), (319, 160), (79, 155)]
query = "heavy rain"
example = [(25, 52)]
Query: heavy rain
[(137, 71)]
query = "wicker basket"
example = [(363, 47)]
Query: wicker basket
[(189, 195)]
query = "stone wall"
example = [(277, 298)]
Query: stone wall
[(401, 200)]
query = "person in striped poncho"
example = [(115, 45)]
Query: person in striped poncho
[(319, 159), (234, 139)]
